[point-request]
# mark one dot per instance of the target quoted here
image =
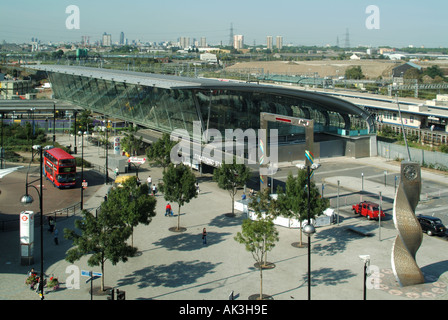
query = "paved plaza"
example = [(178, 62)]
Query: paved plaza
[(177, 266)]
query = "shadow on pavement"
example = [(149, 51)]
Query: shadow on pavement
[(174, 275), (189, 242)]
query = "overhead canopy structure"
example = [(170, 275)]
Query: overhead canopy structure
[(165, 103)]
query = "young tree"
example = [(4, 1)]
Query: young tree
[(132, 203), (265, 208), (259, 237), (103, 238), (230, 177), (160, 151), (179, 186), (293, 202)]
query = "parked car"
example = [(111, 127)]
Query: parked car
[(368, 209), (432, 225)]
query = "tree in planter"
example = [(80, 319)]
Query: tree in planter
[(160, 151), (132, 203), (230, 177), (293, 202), (265, 208), (259, 237), (103, 238), (179, 186)]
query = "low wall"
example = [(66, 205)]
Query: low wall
[(323, 220)]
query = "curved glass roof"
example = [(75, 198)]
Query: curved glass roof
[(166, 103)]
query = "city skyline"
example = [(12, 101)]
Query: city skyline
[(319, 23)]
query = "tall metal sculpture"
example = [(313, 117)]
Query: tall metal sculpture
[(410, 234)]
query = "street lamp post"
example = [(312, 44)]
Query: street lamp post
[(2, 152), (82, 168), (27, 199), (379, 216), (75, 148), (309, 229), (107, 153), (32, 131), (366, 260), (339, 183), (54, 123)]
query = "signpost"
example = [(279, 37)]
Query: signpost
[(92, 276), (137, 162)]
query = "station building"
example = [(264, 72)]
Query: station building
[(161, 104)]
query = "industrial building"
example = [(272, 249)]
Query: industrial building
[(15, 89)]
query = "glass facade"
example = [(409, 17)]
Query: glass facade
[(221, 107), (232, 109)]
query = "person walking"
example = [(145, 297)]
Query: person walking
[(197, 187), (56, 234), (204, 236), (149, 182), (154, 190), (51, 224)]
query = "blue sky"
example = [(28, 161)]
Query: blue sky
[(319, 22)]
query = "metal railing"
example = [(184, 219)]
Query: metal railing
[(14, 224)]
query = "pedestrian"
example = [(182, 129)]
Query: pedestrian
[(105, 197), (154, 190), (168, 210), (56, 233), (149, 182), (197, 188), (117, 172), (204, 236), (51, 224)]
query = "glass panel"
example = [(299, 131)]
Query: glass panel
[(166, 110), (103, 95)]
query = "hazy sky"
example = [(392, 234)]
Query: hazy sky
[(318, 22)]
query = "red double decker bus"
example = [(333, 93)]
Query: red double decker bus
[(60, 168)]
